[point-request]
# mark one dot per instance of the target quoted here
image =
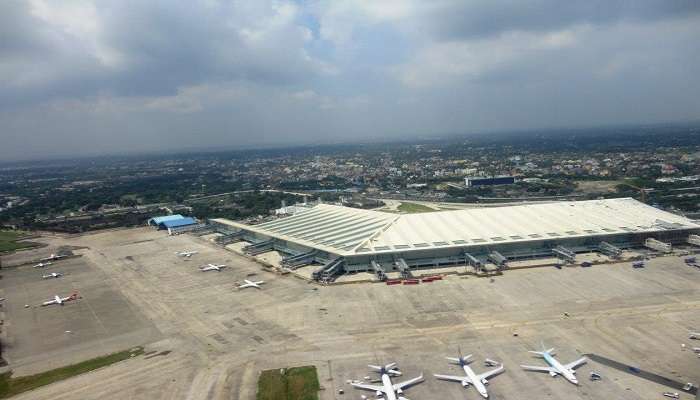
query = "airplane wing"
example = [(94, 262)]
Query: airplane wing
[(368, 387), (408, 383), (539, 369), (453, 378), (577, 363), (491, 373)]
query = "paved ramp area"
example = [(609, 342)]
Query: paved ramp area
[(214, 339), (99, 322)]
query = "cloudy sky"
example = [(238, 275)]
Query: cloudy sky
[(103, 76)]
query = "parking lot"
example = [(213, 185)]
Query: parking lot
[(216, 338)]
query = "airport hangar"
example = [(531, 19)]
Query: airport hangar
[(345, 239)]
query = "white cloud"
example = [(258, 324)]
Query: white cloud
[(111, 73), (339, 19), (305, 95), (442, 63), (78, 23)]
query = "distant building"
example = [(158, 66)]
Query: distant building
[(179, 225), (486, 181), (156, 221), (174, 223), (291, 210)]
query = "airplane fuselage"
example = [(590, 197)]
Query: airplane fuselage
[(389, 392), (563, 371), (248, 284), (478, 384)]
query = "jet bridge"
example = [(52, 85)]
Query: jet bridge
[(498, 259), (329, 271), (259, 248), (609, 250), (299, 260), (203, 230), (565, 254), (473, 261), (230, 238), (694, 240), (403, 268), (654, 244), (381, 275)]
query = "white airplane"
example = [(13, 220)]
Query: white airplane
[(694, 335), (389, 390), (212, 267), (555, 367), (53, 257), (186, 254), (248, 284), (60, 300), (43, 264), (479, 381), (52, 275)]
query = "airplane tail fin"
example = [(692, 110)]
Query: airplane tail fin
[(386, 369), (461, 360), (391, 369), (543, 352), (453, 360), (549, 351)]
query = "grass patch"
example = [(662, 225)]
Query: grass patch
[(8, 241), (411, 208), (10, 386), (298, 383)]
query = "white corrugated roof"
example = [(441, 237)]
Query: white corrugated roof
[(348, 231), (334, 229)]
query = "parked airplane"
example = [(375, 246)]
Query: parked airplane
[(186, 254), (43, 264), (52, 275), (694, 335), (555, 367), (212, 267), (479, 381), (53, 257), (60, 300), (248, 284), (389, 390)]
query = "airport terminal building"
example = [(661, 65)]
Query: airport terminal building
[(345, 239)]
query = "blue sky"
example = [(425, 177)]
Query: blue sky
[(84, 77)]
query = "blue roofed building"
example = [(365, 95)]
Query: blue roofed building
[(180, 225), (156, 221)]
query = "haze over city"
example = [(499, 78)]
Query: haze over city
[(95, 77)]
